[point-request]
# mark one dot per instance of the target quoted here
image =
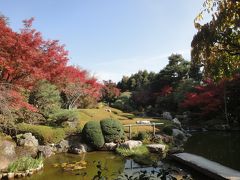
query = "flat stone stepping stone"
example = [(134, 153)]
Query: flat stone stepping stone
[(207, 167)]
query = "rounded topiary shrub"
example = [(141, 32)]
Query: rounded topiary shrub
[(92, 134), (112, 130)]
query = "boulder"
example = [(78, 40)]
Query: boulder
[(4, 162), (7, 151), (63, 146), (156, 148), (167, 116), (177, 122), (131, 144), (7, 148), (79, 148), (109, 146), (45, 151), (76, 145), (177, 132), (27, 140), (179, 137)]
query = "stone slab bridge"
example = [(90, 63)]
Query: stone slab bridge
[(209, 168)]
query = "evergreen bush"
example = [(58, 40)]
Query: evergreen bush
[(92, 134), (112, 130)]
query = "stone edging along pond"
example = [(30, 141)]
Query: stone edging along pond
[(20, 174)]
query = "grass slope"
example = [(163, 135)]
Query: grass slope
[(49, 134), (125, 118)]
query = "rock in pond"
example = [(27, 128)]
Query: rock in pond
[(109, 146), (45, 151), (63, 146), (79, 148), (131, 144), (156, 148), (177, 132), (10, 176)]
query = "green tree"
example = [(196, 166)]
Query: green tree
[(110, 92), (137, 81), (45, 97), (177, 69), (216, 46)]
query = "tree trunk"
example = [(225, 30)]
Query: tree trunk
[(225, 103)]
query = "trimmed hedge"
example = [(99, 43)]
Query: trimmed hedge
[(112, 130), (44, 134), (92, 134)]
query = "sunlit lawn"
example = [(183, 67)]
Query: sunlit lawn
[(125, 118)]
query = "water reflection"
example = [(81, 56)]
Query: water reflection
[(222, 147)]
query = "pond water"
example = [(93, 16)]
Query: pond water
[(112, 164), (222, 147)]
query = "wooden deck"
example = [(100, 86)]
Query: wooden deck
[(207, 167)]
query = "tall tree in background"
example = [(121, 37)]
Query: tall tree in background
[(176, 70), (110, 92), (216, 46)]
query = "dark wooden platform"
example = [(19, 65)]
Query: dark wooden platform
[(207, 167)]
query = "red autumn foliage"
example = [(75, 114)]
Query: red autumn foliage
[(25, 58), (110, 91), (10, 99), (166, 90), (206, 100)]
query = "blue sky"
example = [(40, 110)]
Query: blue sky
[(111, 38)]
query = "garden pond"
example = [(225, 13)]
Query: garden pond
[(113, 166), (222, 147)]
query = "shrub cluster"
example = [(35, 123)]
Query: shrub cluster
[(112, 130), (93, 134), (44, 134), (97, 133)]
